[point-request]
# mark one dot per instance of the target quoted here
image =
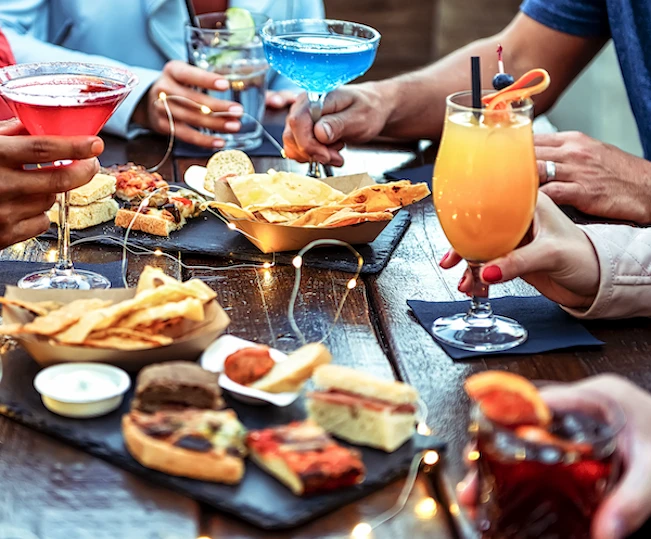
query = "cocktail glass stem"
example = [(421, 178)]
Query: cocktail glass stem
[(316, 111), (480, 311), (479, 330), (64, 263)]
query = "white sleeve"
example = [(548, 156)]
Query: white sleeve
[(624, 254)]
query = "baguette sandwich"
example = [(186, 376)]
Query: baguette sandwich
[(90, 205), (361, 408)]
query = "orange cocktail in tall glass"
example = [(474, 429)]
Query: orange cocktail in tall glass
[(485, 187)]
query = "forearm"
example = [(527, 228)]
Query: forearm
[(416, 101), (624, 255)]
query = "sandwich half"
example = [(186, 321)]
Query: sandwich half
[(80, 217), (361, 408)]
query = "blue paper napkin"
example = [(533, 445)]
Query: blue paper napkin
[(415, 175), (549, 326), (11, 271), (266, 149)]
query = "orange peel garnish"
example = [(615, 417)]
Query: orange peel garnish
[(508, 399), (519, 90)]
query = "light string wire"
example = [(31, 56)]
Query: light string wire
[(430, 457), (298, 264), (204, 109)]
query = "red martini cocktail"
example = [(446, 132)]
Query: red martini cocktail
[(64, 98)]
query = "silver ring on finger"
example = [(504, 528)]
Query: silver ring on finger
[(550, 169)]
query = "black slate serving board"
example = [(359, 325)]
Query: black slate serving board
[(259, 499), (207, 235)]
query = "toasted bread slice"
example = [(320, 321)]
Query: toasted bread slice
[(289, 375), (100, 186), (80, 217), (224, 163), (151, 224)]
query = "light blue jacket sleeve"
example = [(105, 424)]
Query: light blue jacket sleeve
[(24, 22)]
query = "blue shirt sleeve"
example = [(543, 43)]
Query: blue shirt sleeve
[(582, 18)]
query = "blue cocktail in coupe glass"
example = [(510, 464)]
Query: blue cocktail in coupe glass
[(319, 55)]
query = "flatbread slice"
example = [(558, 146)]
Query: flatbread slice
[(387, 196), (316, 216), (348, 217)]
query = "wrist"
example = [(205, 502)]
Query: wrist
[(385, 94)]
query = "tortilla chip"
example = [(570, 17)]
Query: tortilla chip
[(282, 189), (125, 339), (105, 318), (151, 278), (275, 216), (39, 308), (387, 196), (189, 308), (66, 316), (230, 210), (11, 329), (316, 216), (347, 217)]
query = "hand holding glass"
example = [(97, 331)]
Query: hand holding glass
[(64, 98)]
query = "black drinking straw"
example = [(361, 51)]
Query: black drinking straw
[(192, 13), (476, 83)]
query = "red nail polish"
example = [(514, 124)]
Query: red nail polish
[(445, 257), (463, 280), (492, 274)]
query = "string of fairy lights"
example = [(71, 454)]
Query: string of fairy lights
[(426, 508)]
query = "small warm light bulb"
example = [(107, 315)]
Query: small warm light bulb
[(266, 265), (267, 276), (52, 255), (426, 508), (473, 455), (158, 252), (351, 284), (283, 154), (206, 110), (297, 262), (431, 457), (423, 429), (162, 96), (231, 226), (454, 509), (203, 537), (361, 531)]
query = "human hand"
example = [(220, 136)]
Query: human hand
[(560, 262), (628, 505), (595, 177), (350, 114), (181, 79), (25, 195), (281, 99)]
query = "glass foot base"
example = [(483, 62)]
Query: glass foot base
[(71, 280), (495, 335)]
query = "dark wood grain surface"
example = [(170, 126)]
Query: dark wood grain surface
[(54, 491)]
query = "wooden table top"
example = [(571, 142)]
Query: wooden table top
[(54, 491)]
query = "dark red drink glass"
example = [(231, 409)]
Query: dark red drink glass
[(536, 482), (64, 98)]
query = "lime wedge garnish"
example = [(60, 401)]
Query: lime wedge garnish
[(241, 23)]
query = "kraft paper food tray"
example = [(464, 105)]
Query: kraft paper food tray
[(188, 348), (270, 238)]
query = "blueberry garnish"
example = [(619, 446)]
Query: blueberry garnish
[(502, 80)]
